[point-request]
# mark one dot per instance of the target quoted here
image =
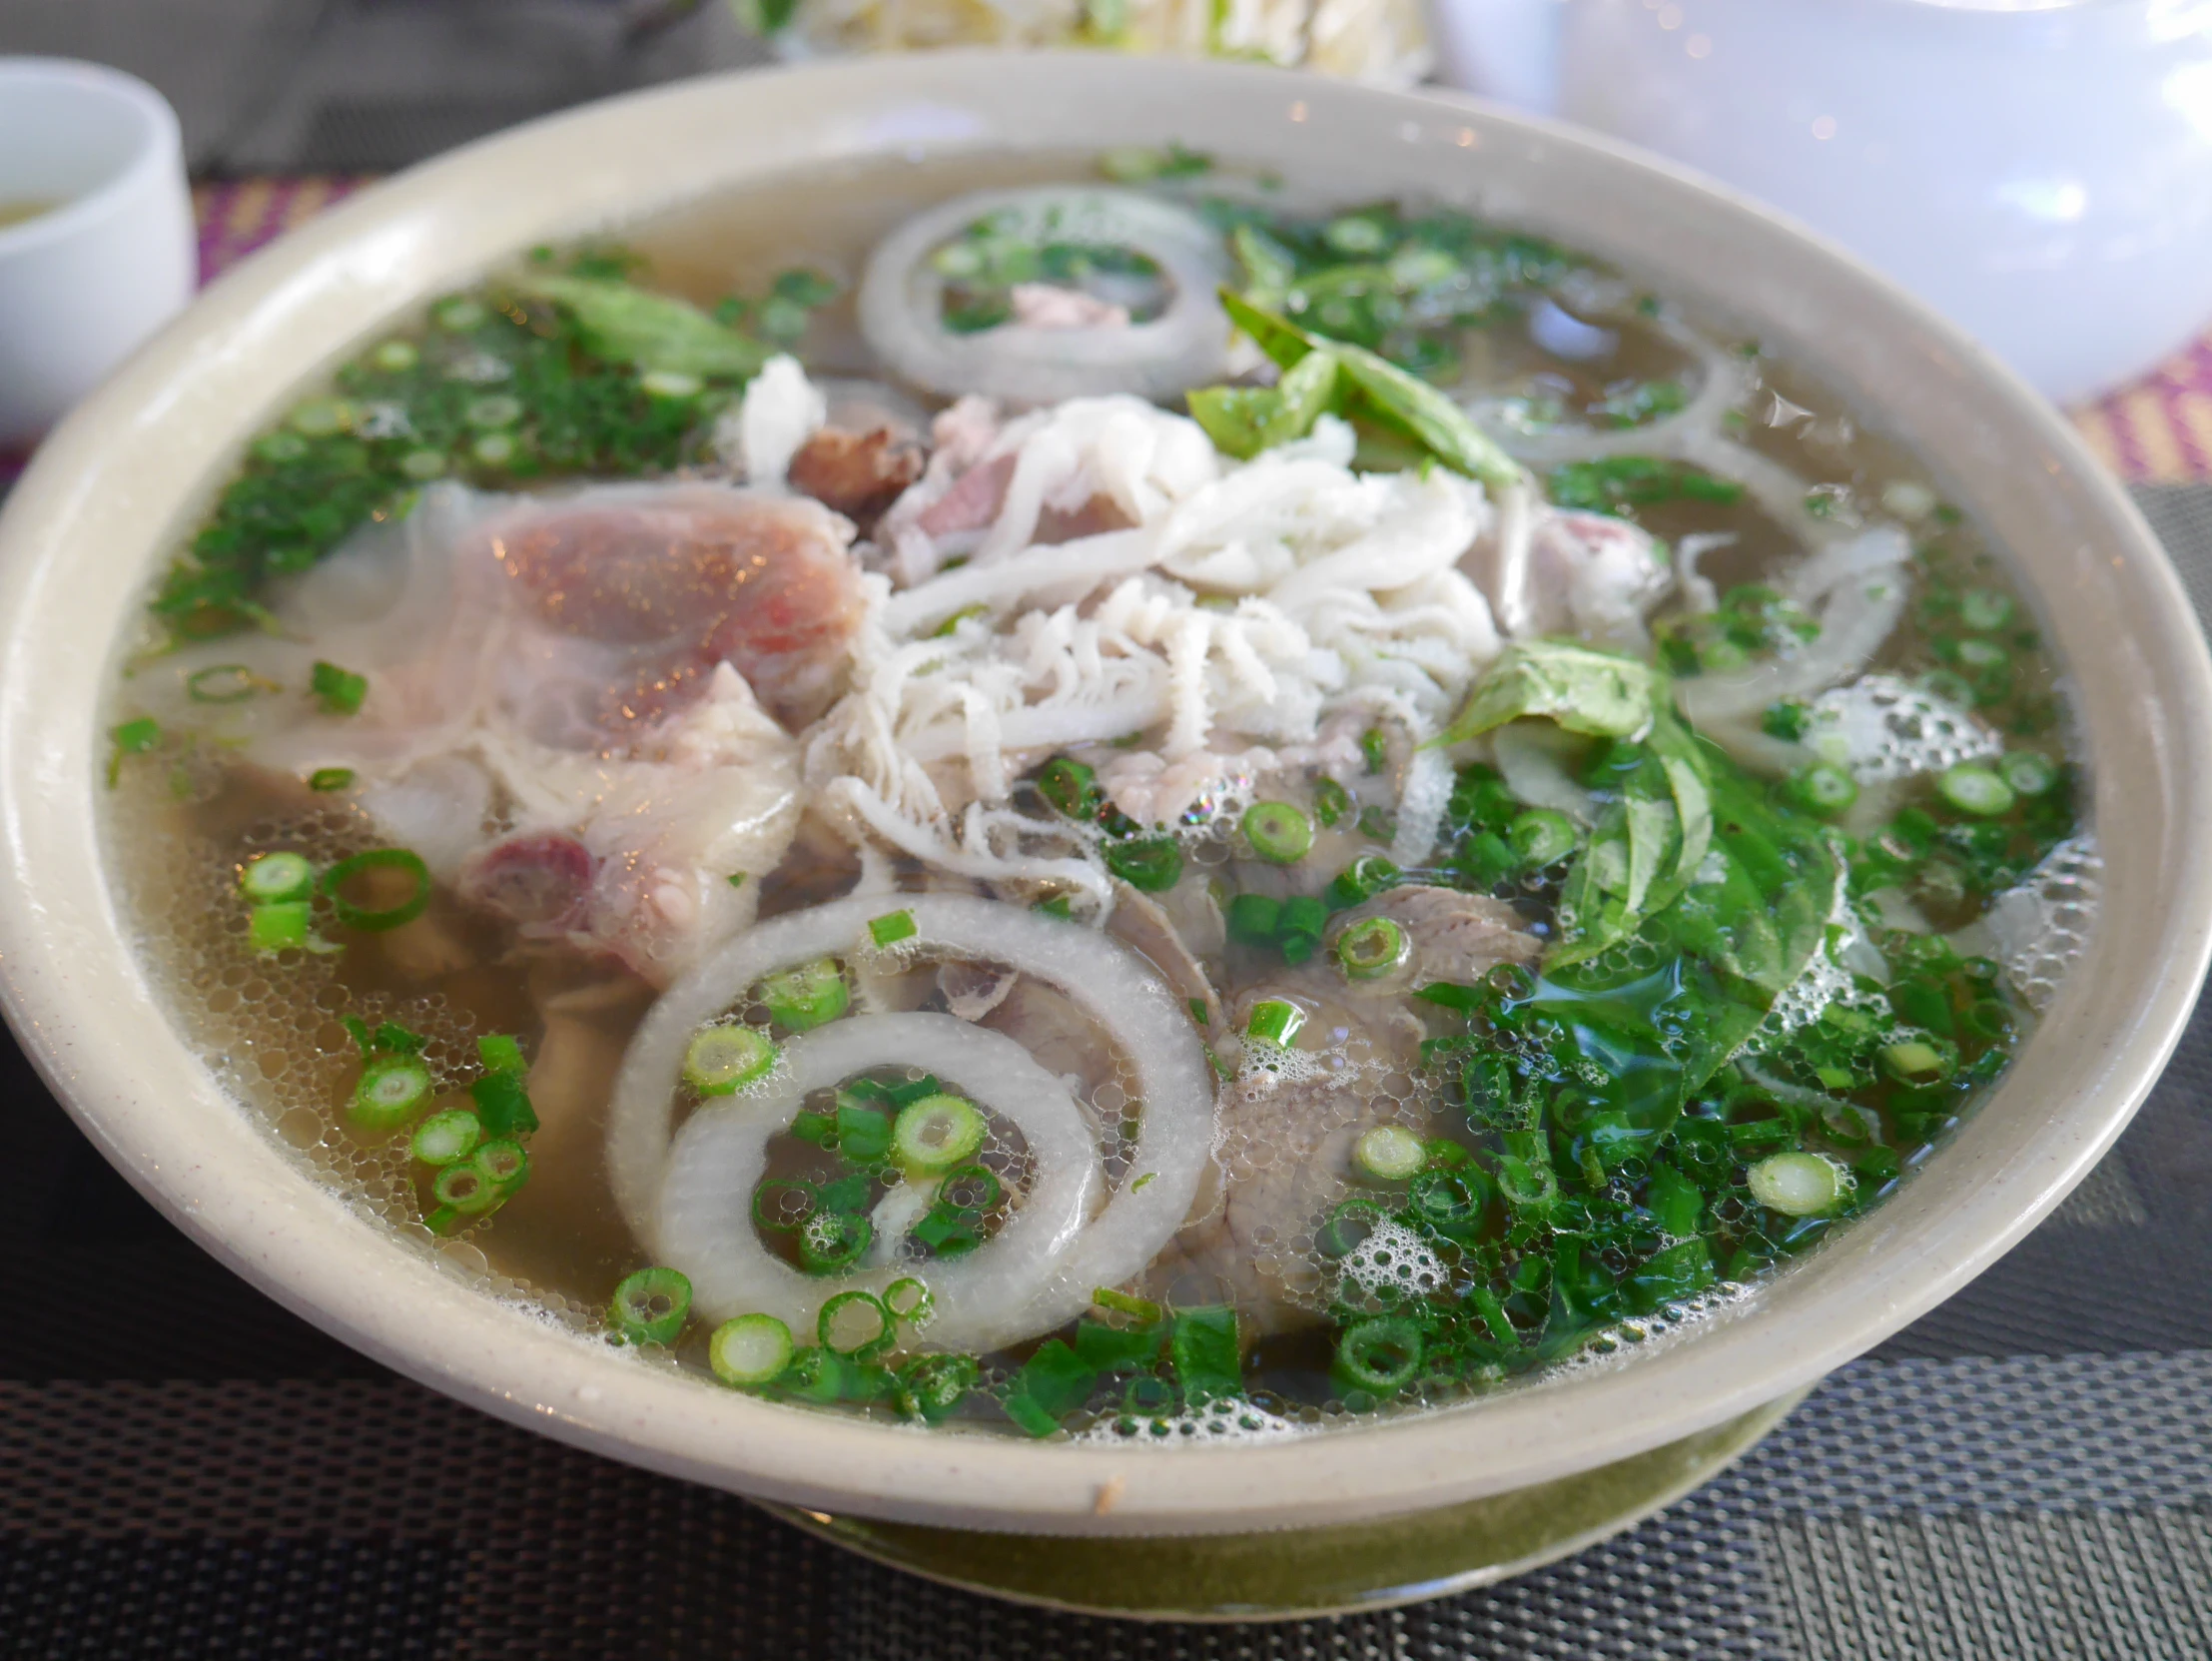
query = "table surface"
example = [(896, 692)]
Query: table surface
[(188, 1470)]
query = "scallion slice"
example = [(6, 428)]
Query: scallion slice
[(1125, 1303), (1371, 949), (1151, 865), (1390, 1153), (281, 927), (911, 1301), (465, 1190), (1279, 832), (1274, 1021), (1915, 1061), (329, 778), (392, 1091), (1542, 836), (1976, 790), (504, 1164), (937, 1132), (1798, 1184), (1378, 1355), (1984, 609), (750, 1351), (856, 1324), (653, 1305), (806, 996), (931, 1386), (723, 1059), (831, 1240), (783, 1203), (2028, 774), (377, 859), (445, 1136), (276, 877), (1824, 789), (892, 927), (341, 690)]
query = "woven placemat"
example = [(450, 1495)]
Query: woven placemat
[(187, 1470)]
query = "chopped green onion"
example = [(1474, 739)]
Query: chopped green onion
[(653, 1305), (911, 1301), (750, 1351), (1273, 1020), (1915, 1061), (856, 1323), (504, 1164), (937, 1132), (226, 684), (1824, 788), (950, 625), (1374, 750), (1984, 609), (673, 384), (282, 927), (1446, 1198), (815, 1374), (423, 466), (459, 314), (341, 690), (1798, 1184), (1331, 801), (931, 1386), (1279, 832), (784, 1203), (1125, 1303), (131, 738), (392, 1091), (831, 1240), (1976, 790), (724, 1058), (396, 356), (1070, 787), (492, 409), (1151, 865), (1363, 879), (985, 1181), (501, 1052), (808, 996), (463, 1189), (445, 1136), (1541, 837), (377, 859), (892, 927), (320, 418), (2028, 774), (329, 778), (1378, 1355), (278, 877), (494, 450), (1390, 1153), (1252, 919), (1371, 949)]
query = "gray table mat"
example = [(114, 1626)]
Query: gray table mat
[(187, 1470)]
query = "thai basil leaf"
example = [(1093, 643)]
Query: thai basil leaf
[(1580, 689)]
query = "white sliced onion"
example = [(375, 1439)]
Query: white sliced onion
[(1855, 589), (1139, 1012), (902, 302), (704, 1222)]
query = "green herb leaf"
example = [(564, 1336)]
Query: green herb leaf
[(1581, 690), (1207, 1355), (650, 330), (341, 690)]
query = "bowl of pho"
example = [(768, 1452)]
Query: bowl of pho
[(1063, 814)]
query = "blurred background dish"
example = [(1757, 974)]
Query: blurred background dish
[(2039, 169), (96, 238)]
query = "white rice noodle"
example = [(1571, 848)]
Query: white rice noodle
[(901, 301), (1697, 592), (1174, 1086), (703, 1222), (1856, 590)]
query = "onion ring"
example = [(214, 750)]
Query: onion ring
[(1137, 1009), (704, 1221), (901, 301)]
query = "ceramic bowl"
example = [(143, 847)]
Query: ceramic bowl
[(130, 472)]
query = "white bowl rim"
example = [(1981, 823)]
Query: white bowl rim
[(89, 1022)]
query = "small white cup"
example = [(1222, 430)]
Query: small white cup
[(110, 259)]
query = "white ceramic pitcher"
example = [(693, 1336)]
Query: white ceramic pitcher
[(2039, 169)]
